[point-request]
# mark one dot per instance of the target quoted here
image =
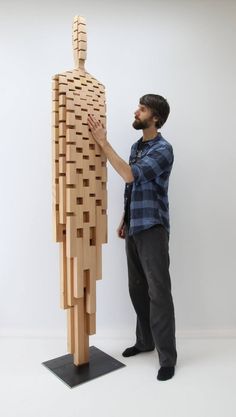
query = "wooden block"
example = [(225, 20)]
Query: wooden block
[(55, 106), (79, 138), (62, 199), (63, 88), (86, 240), (98, 165), (57, 228), (104, 196), (55, 193), (86, 150), (71, 235), (81, 20), (92, 211), (84, 114), (62, 79), (70, 330), (70, 282), (82, 45), (86, 200), (55, 133), (98, 226), (78, 114), (62, 83), (75, 43), (55, 95), (62, 100), (91, 323), (55, 118), (79, 159), (92, 178), (63, 275), (92, 160), (71, 86), (81, 354), (81, 27), (70, 119), (77, 100), (85, 167), (71, 194), (78, 271), (55, 214), (98, 260), (62, 129), (62, 151), (70, 94), (79, 216), (99, 239), (104, 228), (83, 36), (82, 55), (90, 291), (55, 80), (55, 170), (70, 173), (98, 189), (70, 105), (104, 173), (85, 99), (62, 164), (84, 128), (62, 113), (71, 154), (80, 185), (71, 135), (81, 24)]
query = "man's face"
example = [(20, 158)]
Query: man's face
[(143, 118)]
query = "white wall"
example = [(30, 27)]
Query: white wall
[(184, 50)]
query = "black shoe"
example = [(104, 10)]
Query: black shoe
[(165, 372), (131, 351)]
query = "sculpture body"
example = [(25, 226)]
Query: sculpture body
[(79, 194)]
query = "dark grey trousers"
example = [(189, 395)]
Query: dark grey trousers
[(150, 291)]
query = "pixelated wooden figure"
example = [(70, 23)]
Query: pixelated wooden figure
[(79, 175)]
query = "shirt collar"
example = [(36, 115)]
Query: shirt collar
[(151, 142)]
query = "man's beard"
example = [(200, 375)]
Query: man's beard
[(138, 124)]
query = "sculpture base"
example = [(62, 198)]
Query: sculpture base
[(99, 364)]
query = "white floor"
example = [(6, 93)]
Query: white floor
[(204, 384)]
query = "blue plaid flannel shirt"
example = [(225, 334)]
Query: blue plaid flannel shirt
[(149, 195)]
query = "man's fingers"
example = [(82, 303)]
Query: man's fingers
[(92, 118), (93, 121)]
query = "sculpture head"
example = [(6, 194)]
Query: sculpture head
[(79, 41)]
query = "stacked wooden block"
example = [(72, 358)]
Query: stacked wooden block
[(79, 194), (79, 40)]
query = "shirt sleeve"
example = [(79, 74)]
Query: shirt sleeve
[(153, 164)]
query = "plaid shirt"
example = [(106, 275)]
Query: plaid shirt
[(148, 192)]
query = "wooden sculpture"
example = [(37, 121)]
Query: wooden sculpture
[(79, 193)]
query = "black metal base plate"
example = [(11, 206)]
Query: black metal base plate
[(100, 363)]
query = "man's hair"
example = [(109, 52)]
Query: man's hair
[(158, 106)]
